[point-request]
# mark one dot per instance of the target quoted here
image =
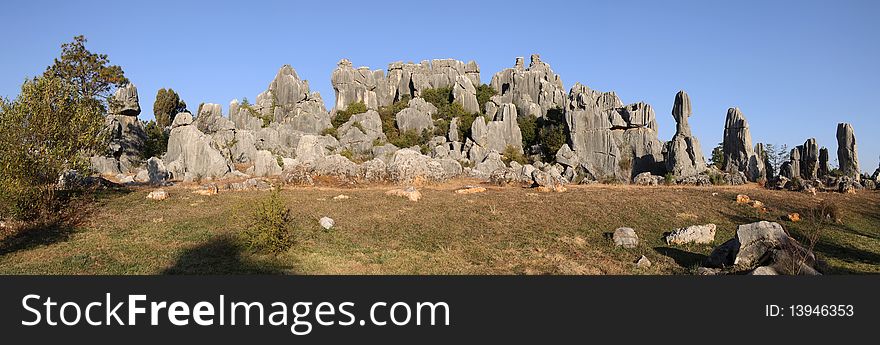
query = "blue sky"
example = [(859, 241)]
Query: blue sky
[(795, 68)]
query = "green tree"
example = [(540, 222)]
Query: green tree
[(90, 74), (50, 128), (167, 105), (717, 158), (157, 141), (484, 93)]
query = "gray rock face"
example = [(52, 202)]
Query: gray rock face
[(536, 88), (210, 119), (794, 159), (289, 101), (413, 119), (409, 166), (464, 92), (737, 146), (337, 166), (699, 234), (764, 244), (156, 172), (265, 164), (360, 131), (823, 169), (809, 163), (359, 85), (498, 133), (847, 154), (191, 154), (625, 237), (127, 138), (684, 157), (409, 79), (312, 148), (125, 101), (608, 138)]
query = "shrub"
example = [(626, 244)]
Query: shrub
[(528, 128), (48, 129), (829, 211), (342, 116), (347, 154), (512, 154), (439, 97), (388, 114), (331, 131), (669, 179), (484, 93), (410, 138), (271, 226), (464, 125), (717, 179), (157, 141)]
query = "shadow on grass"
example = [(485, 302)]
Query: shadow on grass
[(221, 255), (681, 257)]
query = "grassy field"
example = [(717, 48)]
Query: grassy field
[(506, 230)]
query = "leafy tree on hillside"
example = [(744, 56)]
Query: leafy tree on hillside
[(90, 74)]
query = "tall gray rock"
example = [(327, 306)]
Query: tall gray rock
[(737, 146), (411, 79), (847, 155), (501, 131), (535, 89), (794, 159), (191, 154), (125, 101), (127, 136), (465, 93), (608, 139), (360, 131), (684, 157), (210, 119), (359, 85), (417, 116), (823, 169), (809, 159), (289, 101)]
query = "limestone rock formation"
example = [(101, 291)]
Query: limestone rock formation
[(359, 85), (823, 169), (190, 153), (125, 101), (416, 117), (210, 119), (289, 101), (464, 92), (809, 163), (535, 89), (360, 131), (764, 244), (126, 134), (410, 79), (684, 157), (739, 155), (501, 131), (847, 155)]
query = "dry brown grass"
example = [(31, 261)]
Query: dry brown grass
[(505, 230)]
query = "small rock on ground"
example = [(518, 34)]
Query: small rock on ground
[(158, 194), (643, 262), (326, 222), (470, 190), (625, 237), (409, 192)]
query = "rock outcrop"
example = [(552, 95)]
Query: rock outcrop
[(497, 134), (535, 89), (289, 101), (763, 244), (739, 155), (684, 157), (126, 134), (360, 132), (417, 116), (359, 85), (847, 155), (190, 153), (823, 169), (809, 163)]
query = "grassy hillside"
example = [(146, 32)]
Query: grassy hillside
[(502, 231)]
